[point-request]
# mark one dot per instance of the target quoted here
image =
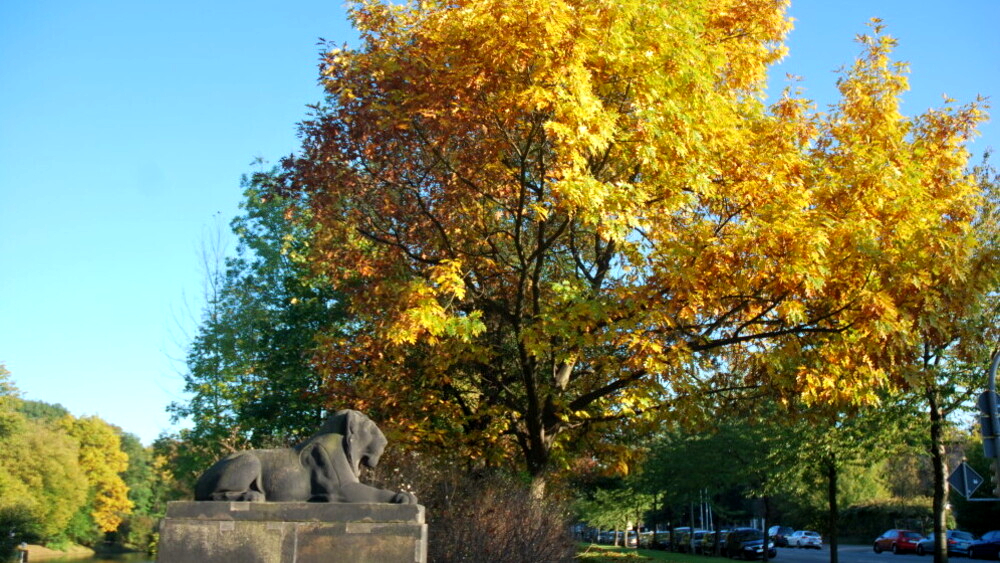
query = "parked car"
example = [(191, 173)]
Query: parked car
[(748, 543), (805, 538), (779, 535), (658, 540), (690, 541), (988, 546), (677, 538), (897, 541), (646, 540), (697, 543), (958, 543), (708, 544)]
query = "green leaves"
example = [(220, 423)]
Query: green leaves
[(250, 377)]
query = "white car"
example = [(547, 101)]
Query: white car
[(805, 538)]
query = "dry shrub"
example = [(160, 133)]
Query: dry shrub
[(495, 519), (475, 514)]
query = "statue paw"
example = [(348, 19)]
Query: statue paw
[(404, 497)]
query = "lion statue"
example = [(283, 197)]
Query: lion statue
[(324, 468)]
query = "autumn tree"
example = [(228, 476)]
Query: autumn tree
[(956, 334), (547, 215), (38, 493), (102, 461), (48, 489)]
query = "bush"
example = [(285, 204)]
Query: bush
[(136, 531), (868, 520), (16, 526), (478, 514), (81, 529), (495, 519)]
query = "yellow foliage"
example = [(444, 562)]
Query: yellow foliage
[(551, 212), (102, 461), (51, 487)]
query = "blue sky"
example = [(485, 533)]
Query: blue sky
[(125, 127)]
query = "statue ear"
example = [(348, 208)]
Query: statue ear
[(353, 424)]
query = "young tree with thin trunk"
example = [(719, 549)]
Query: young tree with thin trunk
[(249, 378), (957, 331)]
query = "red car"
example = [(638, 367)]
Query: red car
[(898, 541)]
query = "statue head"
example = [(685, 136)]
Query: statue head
[(363, 442)]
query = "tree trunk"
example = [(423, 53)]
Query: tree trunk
[(767, 540), (834, 516), (939, 463), (716, 521), (538, 487)]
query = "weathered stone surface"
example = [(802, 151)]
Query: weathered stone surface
[(299, 532)]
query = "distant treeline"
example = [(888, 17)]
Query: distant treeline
[(67, 480)]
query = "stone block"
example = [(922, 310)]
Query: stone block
[(292, 532)]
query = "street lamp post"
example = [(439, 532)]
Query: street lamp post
[(989, 422)]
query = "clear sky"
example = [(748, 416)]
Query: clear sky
[(125, 128)]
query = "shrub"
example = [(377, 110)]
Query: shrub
[(870, 519), (495, 519), (478, 514), (17, 525), (136, 531)]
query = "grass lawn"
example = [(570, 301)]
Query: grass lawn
[(593, 553)]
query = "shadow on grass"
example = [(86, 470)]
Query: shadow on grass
[(594, 553)]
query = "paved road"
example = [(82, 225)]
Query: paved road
[(847, 554)]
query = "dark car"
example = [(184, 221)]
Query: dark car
[(676, 541), (708, 544), (748, 543), (988, 546), (696, 543), (897, 541), (779, 535), (957, 540)]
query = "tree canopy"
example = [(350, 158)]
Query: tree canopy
[(63, 479), (551, 214), (249, 368)]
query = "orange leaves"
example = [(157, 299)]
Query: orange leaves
[(547, 213), (899, 188)]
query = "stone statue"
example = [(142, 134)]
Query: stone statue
[(324, 468)]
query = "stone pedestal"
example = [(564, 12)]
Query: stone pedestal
[(292, 532)]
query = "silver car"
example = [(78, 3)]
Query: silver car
[(958, 543), (805, 538)]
